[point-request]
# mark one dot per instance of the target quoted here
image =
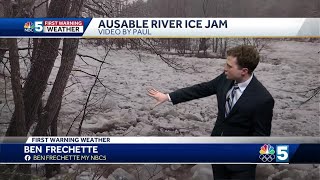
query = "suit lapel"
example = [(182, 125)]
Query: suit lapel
[(247, 93)]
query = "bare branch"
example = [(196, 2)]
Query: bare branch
[(5, 96), (88, 98), (37, 6), (168, 61), (82, 55), (5, 66), (316, 91), (79, 70)]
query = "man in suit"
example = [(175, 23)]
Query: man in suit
[(245, 107)]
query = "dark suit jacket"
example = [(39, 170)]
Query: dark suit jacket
[(250, 116)]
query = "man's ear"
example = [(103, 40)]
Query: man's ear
[(245, 71)]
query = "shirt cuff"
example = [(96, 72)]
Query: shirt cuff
[(169, 99)]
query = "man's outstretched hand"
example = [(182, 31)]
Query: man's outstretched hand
[(159, 96)]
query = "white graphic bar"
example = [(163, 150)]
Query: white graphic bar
[(167, 140), (63, 29), (202, 27)]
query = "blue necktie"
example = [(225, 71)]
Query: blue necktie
[(231, 99)]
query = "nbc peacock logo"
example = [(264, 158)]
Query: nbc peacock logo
[(28, 27), (267, 153)]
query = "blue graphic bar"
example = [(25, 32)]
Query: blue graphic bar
[(159, 153), (43, 27)]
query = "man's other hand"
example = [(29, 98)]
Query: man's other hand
[(159, 96)]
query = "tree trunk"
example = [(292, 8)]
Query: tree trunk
[(169, 45), (51, 169), (19, 124), (221, 47), (69, 52), (36, 42), (3, 46), (19, 121), (216, 45), (213, 44), (40, 71), (51, 111), (22, 171), (224, 55), (52, 108)]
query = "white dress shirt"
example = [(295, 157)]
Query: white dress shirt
[(242, 87)]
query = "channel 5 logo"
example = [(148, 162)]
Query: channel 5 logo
[(282, 153), (36, 26), (268, 153)]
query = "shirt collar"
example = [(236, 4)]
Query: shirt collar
[(243, 85)]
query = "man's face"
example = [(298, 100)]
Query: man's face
[(232, 70)]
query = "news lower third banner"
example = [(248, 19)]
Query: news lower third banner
[(136, 150), (158, 27)]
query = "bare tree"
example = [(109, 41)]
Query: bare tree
[(50, 112), (18, 171), (27, 103), (223, 47), (42, 64), (259, 44), (3, 46), (203, 46)]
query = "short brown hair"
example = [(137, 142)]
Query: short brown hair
[(247, 56)]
